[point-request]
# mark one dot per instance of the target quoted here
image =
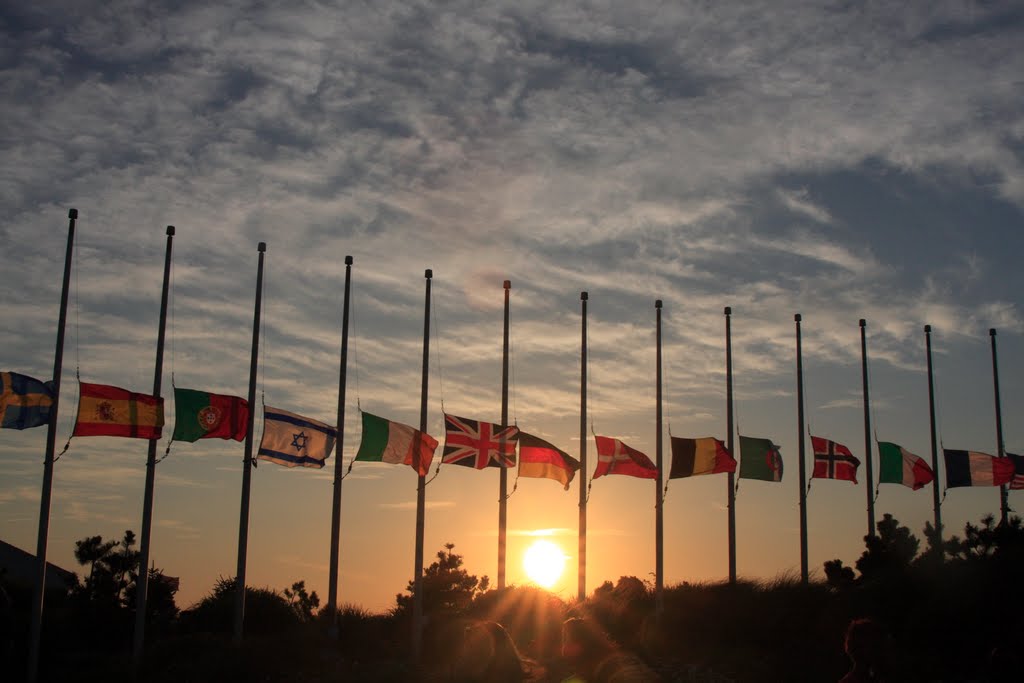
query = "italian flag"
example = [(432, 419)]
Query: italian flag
[(395, 443), (897, 465)]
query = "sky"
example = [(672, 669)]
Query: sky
[(839, 160)]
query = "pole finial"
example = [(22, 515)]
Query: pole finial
[(657, 303), (862, 322), (928, 329), (507, 284), (798, 317), (584, 296), (261, 247), (348, 260), (170, 230), (728, 310), (428, 273), (72, 213), (992, 332)]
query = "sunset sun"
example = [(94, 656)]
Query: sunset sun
[(544, 562)]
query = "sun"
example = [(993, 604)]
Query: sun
[(544, 562)]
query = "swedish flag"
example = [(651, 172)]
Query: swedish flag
[(24, 401)]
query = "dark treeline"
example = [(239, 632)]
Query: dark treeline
[(948, 613)]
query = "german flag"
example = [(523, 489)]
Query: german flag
[(542, 460), (111, 411)]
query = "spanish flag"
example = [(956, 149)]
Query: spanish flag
[(111, 411)]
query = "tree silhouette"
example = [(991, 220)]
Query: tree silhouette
[(891, 550), (447, 587)]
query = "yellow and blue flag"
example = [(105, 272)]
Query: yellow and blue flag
[(24, 401)]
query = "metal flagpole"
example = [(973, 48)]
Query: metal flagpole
[(729, 430), (142, 582), (867, 428), (936, 502), (582, 593), (659, 522), (51, 440), (243, 520), (802, 446), (503, 477), (417, 598), (1004, 500), (332, 588)]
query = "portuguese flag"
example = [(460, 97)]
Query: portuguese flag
[(104, 410), (202, 415), (395, 443)]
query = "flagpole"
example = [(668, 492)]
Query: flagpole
[(332, 589), (1004, 501), (867, 427), (417, 598), (802, 446), (731, 483), (142, 583), (247, 462), (936, 502), (503, 476), (659, 522), (51, 441), (582, 593)]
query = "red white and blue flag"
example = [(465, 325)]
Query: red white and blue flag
[(472, 443), (1018, 471), (833, 460)]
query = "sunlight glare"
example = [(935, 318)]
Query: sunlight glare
[(544, 562)]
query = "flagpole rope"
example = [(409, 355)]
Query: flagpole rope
[(78, 403), (437, 359), (355, 347), (172, 329), (166, 453), (878, 487), (664, 494), (78, 306), (515, 485), (349, 470), (590, 486), (938, 415), (512, 360)]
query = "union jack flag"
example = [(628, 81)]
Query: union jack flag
[(1018, 471), (472, 443), (833, 460)]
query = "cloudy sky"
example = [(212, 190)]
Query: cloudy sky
[(841, 160)]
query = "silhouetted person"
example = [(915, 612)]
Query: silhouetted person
[(867, 648), (595, 658), (489, 654)]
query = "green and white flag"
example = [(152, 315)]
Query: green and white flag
[(760, 459), (395, 443), (897, 465)]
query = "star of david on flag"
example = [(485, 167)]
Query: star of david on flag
[(472, 443), (293, 440)]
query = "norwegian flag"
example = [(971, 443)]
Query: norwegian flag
[(1018, 471), (833, 460), (472, 443)]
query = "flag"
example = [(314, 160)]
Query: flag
[(24, 401), (202, 415), (471, 443), (691, 457), (292, 440), (833, 460), (542, 460), (395, 443), (760, 459), (615, 457), (1018, 471), (104, 410), (897, 465), (970, 468)]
